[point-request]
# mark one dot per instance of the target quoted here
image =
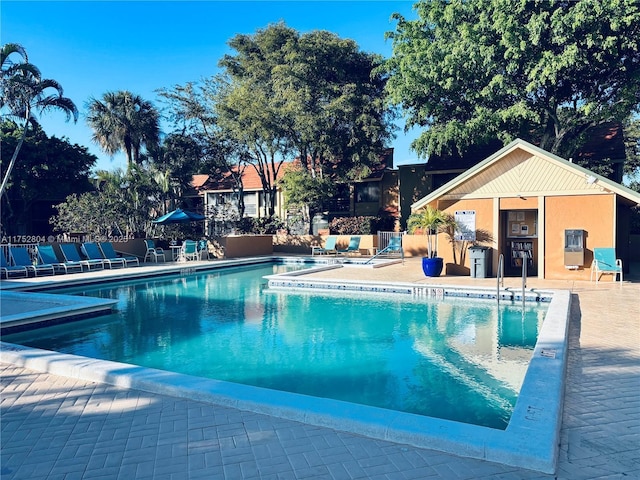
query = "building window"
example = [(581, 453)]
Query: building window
[(251, 204), (250, 209), (368, 192)]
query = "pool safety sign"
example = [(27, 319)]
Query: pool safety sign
[(465, 225)]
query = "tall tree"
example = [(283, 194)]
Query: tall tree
[(548, 71), (314, 95), (175, 162), (123, 121), (192, 109), (334, 101), (50, 169), (123, 204), (25, 92), (247, 105)]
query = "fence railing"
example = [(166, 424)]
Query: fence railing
[(385, 237), (31, 248)]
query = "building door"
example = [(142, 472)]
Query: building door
[(520, 241)]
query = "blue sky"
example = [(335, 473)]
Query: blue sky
[(94, 47)]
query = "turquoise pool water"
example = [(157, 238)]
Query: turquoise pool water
[(460, 359)]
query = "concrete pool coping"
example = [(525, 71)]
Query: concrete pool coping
[(22, 308), (530, 441)]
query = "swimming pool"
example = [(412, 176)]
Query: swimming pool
[(530, 440), (461, 360)]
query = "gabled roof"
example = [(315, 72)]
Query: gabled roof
[(224, 182), (197, 181), (525, 173)]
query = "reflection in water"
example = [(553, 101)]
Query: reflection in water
[(462, 360)]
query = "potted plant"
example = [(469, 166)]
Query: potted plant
[(430, 222)]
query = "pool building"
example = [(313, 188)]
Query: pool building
[(538, 208)]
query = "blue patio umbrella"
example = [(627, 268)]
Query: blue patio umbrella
[(179, 216)]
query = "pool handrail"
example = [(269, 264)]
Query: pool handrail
[(524, 281), (500, 276)]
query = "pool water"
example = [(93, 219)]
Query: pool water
[(460, 359)]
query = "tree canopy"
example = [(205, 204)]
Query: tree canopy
[(23, 92), (547, 71), (123, 121), (192, 109), (123, 205), (50, 169), (315, 95), (283, 95)]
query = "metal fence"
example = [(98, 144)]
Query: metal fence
[(385, 237), (31, 248)]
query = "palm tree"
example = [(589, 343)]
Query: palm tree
[(123, 121), (23, 91), (429, 221)]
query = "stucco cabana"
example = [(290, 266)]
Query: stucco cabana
[(528, 199)]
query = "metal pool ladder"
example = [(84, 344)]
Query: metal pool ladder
[(500, 276), (524, 279)]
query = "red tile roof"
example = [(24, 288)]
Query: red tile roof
[(223, 181)]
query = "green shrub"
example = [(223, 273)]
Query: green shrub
[(260, 226), (361, 225)]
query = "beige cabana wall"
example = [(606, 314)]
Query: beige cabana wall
[(484, 221), (302, 244), (593, 213), (234, 246)]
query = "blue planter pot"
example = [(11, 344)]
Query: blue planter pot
[(432, 267)]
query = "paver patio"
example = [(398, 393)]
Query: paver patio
[(55, 427)]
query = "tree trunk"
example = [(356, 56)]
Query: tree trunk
[(12, 162)]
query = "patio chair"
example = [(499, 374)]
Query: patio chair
[(189, 250), (354, 247), (153, 252), (8, 270), (605, 261), (394, 246), (109, 252), (20, 257), (329, 247), (71, 255), (47, 255), (92, 252), (203, 249)]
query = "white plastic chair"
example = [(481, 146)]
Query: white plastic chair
[(153, 252)]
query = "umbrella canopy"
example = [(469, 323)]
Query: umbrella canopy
[(179, 216)]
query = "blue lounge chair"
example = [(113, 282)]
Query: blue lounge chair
[(47, 255), (71, 255), (354, 247), (394, 246), (153, 252), (109, 252), (605, 261), (92, 252), (189, 250), (329, 247), (20, 257), (8, 270)]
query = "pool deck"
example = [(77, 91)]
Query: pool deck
[(58, 427)]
